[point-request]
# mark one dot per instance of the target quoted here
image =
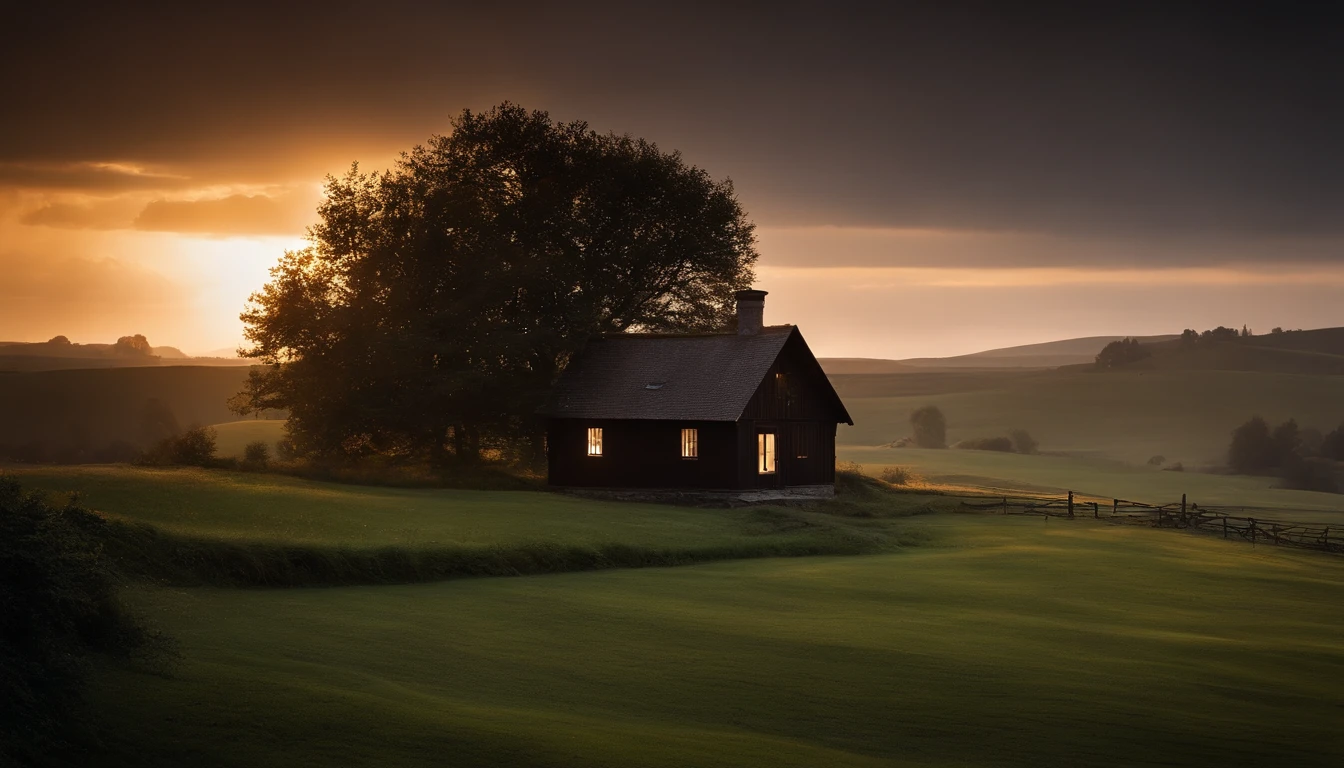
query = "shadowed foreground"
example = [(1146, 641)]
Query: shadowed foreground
[(1029, 643)]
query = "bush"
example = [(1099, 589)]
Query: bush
[(1312, 474), (193, 448), (1023, 442), (930, 427), (896, 476), (1332, 445), (986, 444), (1157, 461), (58, 611), (1177, 467), (257, 454)]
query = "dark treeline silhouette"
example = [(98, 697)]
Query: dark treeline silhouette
[(439, 300), (1122, 352), (1319, 351), (1304, 459)]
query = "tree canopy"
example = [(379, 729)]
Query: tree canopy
[(439, 299)]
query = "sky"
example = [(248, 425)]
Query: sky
[(927, 179)]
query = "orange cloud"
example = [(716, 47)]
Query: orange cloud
[(233, 215)]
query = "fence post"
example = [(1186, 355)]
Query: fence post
[(1115, 507), (1252, 519), (1183, 522), (1224, 526), (1095, 514), (1070, 505), (1005, 505)]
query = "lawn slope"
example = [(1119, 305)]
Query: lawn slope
[(1028, 643)]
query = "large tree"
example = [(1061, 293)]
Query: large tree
[(439, 299)]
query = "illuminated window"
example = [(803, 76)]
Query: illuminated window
[(690, 443), (594, 441), (765, 453)]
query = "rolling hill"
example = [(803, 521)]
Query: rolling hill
[(1050, 354)]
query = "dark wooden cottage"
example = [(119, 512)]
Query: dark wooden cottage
[(729, 411)]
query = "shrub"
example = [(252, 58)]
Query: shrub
[(1177, 467), (193, 448), (257, 454), (930, 427), (896, 476), (1312, 474), (1332, 445), (986, 444), (1023, 442), (1157, 461), (58, 610)]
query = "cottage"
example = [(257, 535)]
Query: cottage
[(735, 411)]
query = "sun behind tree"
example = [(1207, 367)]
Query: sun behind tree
[(439, 299)]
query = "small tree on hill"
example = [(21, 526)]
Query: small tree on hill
[(1252, 448), (1022, 441), (1121, 353), (930, 427)]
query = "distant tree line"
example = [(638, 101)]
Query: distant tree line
[(1304, 459), (929, 430), (1121, 353)]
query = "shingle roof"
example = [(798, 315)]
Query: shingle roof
[(692, 378)]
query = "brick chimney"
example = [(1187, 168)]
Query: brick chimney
[(750, 312)]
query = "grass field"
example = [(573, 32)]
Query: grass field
[(1026, 643), (1011, 472), (1185, 416), (240, 506)]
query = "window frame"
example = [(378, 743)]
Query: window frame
[(595, 443)]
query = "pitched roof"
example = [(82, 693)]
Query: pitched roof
[(691, 378)]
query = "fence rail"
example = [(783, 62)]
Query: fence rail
[(1177, 515)]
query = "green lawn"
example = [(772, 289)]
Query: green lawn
[(1026, 643), (1011, 472), (242, 506), (1185, 416)]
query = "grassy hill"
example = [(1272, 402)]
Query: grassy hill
[(1318, 351), (1126, 415), (1011, 473), (264, 508), (1020, 644), (1050, 354)]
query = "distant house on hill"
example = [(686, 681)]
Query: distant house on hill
[(744, 411)]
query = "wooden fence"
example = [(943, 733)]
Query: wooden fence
[(1179, 515)]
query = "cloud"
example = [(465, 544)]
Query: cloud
[(238, 214), (90, 177), (1111, 119), (949, 248), (42, 295), (110, 214)]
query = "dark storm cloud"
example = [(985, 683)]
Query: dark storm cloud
[(1079, 120)]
